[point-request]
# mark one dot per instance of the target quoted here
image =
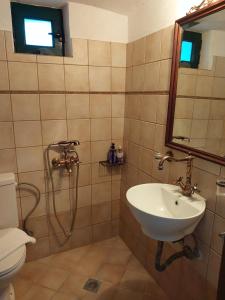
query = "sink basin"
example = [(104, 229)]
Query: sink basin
[(163, 212)]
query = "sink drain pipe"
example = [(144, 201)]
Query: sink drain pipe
[(186, 251)]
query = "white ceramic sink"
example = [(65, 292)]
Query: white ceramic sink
[(163, 212)]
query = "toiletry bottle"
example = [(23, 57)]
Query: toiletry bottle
[(120, 155), (112, 154)]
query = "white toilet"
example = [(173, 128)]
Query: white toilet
[(11, 263)]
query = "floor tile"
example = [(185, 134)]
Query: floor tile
[(53, 278), (38, 293), (111, 273)]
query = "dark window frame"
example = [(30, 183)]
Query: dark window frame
[(24, 11), (196, 39)]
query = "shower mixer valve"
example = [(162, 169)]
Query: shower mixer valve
[(66, 160)]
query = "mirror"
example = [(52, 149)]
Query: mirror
[(196, 114)]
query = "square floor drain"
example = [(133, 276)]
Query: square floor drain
[(92, 285)]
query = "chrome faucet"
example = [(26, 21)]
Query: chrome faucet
[(187, 188)]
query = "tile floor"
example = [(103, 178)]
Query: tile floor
[(62, 276)]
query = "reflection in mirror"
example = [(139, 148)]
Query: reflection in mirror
[(199, 119)]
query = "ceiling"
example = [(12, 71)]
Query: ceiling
[(123, 7), (212, 22)]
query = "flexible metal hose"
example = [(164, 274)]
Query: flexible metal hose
[(38, 198), (74, 208)]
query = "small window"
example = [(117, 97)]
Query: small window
[(190, 49), (37, 30), (186, 51)]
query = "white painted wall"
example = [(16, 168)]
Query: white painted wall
[(5, 15), (84, 21), (154, 15), (97, 24), (213, 44)]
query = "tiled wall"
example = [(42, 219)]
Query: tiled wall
[(148, 75), (200, 107), (48, 99)]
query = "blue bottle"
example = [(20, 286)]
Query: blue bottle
[(112, 154)]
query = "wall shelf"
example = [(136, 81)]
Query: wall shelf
[(105, 163)]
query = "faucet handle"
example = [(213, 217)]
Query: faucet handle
[(195, 189), (158, 155), (179, 179)]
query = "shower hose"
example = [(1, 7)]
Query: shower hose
[(24, 185), (66, 234)]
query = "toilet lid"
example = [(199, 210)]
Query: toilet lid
[(11, 261)]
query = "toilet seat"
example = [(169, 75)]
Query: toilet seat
[(12, 261)]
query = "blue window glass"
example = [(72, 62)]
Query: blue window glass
[(38, 32), (186, 51)]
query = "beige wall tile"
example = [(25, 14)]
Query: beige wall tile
[(101, 192), (167, 42), (118, 79), (145, 160), (215, 129), (8, 161), (51, 77), (162, 106), (99, 150), (220, 66), (5, 111), (117, 128), (99, 173), (85, 175), (101, 213), (100, 129), (53, 106), (134, 131), (204, 86), (80, 53), (183, 127), (130, 48), (217, 110), (138, 76), (23, 76), (84, 152), (164, 75), (152, 76), (49, 59), (186, 85), (100, 106), (118, 51), (6, 136), (217, 241), (153, 47), (4, 78), (218, 87), (84, 196), (77, 106), (11, 55), (29, 159), (201, 109), (199, 128), (27, 203), (213, 269), (184, 108), (132, 106), (149, 108), (204, 229), (147, 135), (25, 107), (118, 105), (37, 178), (54, 131), (160, 138), (100, 79), (83, 218), (76, 78), (99, 53), (138, 56), (2, 46), (27, 133), (79, 129)]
